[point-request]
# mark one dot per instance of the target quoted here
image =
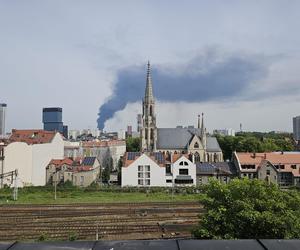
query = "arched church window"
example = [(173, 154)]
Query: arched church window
[(150, 110), (215, 157), (208, 158), (181, 163), (185, 163), (146, 133), (196, 145), (197, 157), (151, 134)]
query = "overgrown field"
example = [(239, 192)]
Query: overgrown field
[(45, 195)]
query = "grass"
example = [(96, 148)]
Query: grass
[(44, 195)]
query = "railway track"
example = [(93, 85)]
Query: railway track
[(115, 221)]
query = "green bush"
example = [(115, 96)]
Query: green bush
[(248, 209)]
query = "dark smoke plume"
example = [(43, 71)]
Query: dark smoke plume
[(202, 79)]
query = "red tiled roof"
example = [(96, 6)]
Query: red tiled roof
[(104, 143), (275, 158), (60, 162), (32, 136)]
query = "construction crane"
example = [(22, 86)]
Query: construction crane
[(12, 177)]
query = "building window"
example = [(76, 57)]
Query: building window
[(168, 169), (81, 180), (200, 180), (268, 172), (197, 157), (183, 171), (196, 145), (144, 175), (225, 179), (294, 166), (168, 181), (181, 163)]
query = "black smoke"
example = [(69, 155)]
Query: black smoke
[(201, 79)]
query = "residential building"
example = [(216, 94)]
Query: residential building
[(280, 167), (296, 128), (81, 172), (103, 150), (3, 107), (222, 171), (29, 151), (189, 140), (157, 169)]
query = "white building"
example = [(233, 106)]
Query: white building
[(157, 170), (30, 151), (226, 131)]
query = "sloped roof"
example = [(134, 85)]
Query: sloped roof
[(107, 143), (179, 138), (88, 161), (32, 136), (273, 157), (157, 157), (216, 167)]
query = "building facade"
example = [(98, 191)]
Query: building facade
[(29, 151), (155, 169), (282, 168), (296, 128), (81, 171), (188, 140), (52, 120), (3, 107)]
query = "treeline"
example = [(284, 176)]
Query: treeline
[(255, 142)]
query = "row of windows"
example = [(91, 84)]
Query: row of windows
[(144, 175), (248, 166)]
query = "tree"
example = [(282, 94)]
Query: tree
[(249, 209), (133, 144), (107, 167)]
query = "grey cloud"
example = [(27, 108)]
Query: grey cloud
[(204, 78)]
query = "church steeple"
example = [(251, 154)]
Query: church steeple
[(202, 126), (199, 126), (148, 91), (149, 131)]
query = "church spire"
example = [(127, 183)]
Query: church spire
[(202, 126), (199, 126), (148, 91)]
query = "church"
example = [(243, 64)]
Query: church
[(182, 140)]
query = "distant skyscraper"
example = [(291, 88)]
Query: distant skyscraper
[(52, 119), (296, 128), (139, 122), (2, 118)]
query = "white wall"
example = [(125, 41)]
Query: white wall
[(191, 169), (18, 155), (130, 173), (31, 160), (42, 154)]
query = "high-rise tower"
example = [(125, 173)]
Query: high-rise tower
[(2, 118), (149, 130)]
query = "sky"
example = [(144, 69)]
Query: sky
[(235, 61)]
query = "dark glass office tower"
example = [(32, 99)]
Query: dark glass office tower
[(52, 119)]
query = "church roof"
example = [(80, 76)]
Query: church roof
[(179, 138)]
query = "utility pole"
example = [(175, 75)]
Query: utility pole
[(15, 194), (55, 184)]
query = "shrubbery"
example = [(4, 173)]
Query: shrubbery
[(249, 209)]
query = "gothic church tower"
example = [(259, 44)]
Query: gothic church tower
[(149, 130)]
